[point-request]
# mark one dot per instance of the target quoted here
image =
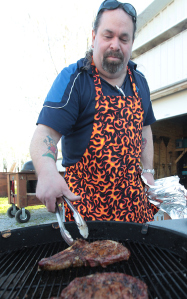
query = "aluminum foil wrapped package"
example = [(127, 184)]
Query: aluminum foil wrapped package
[(169, 196)]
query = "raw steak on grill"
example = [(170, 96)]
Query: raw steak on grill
[(105, 285), (82, 253)]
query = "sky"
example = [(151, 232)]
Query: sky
[(38, 39)]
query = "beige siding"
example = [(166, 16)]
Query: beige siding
[(168, 17), (165, 64)]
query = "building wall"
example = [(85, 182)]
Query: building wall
[(170, 105), (171, 13), (166, 63), (160, 46), (160, 53)]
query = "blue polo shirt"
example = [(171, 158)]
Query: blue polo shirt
[(69, 107)]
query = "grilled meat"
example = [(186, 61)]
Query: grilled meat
[(105, 285), (82, 253)]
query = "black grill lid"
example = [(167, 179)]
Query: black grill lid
[(28, 166), (143, 233), (163, 271)]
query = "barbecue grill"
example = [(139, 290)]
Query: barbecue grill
[(158, 257)]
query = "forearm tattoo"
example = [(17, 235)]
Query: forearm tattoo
[(51, 148), (144, 142)]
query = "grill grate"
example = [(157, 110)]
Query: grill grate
[(162, 271)]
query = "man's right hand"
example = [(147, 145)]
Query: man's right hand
[(50, 188), (51, 185)]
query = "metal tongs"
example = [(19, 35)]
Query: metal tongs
[(81, 224)]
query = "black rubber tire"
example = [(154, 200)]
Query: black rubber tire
[(19, 216), (10, 213)]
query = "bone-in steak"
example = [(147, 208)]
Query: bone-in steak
[(82, 253), (105, 285)]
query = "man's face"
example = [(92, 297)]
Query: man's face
[(112, 45)]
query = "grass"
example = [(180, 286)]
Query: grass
[(4, 206)]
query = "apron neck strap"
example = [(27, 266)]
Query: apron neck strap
[(97, 79), (132, 82)]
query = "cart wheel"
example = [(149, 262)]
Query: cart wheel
[(22, 216), (11, 212)]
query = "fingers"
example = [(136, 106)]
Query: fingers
[(71, 196), (50, 205), (51, 190), (68, 194), (59, 200)]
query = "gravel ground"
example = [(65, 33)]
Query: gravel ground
[(39, 216)]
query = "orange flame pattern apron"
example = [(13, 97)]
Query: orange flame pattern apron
[(107, 176)]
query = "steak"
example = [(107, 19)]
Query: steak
[(105, 285), (82, 253)]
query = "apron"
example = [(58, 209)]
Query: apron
[(107, 176)]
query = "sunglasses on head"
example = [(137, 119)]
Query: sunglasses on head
[(113, 4)]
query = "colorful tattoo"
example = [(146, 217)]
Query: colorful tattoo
[(144, 142), (52, 148)]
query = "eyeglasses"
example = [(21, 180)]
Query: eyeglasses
[(113, 4)]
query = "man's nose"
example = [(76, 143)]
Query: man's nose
[(115, 44)]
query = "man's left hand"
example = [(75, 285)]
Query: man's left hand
[(150, 180), (149, 177)]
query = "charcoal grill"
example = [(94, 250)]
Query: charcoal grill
[(158, 257)]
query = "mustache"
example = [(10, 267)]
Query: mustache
[(114, 54)]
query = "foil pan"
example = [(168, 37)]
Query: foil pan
[(168, 195)]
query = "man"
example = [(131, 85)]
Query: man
[(101, 108)]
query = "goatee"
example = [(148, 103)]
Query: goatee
[(113, 67)]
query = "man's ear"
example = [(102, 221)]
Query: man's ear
[(93, 38)]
